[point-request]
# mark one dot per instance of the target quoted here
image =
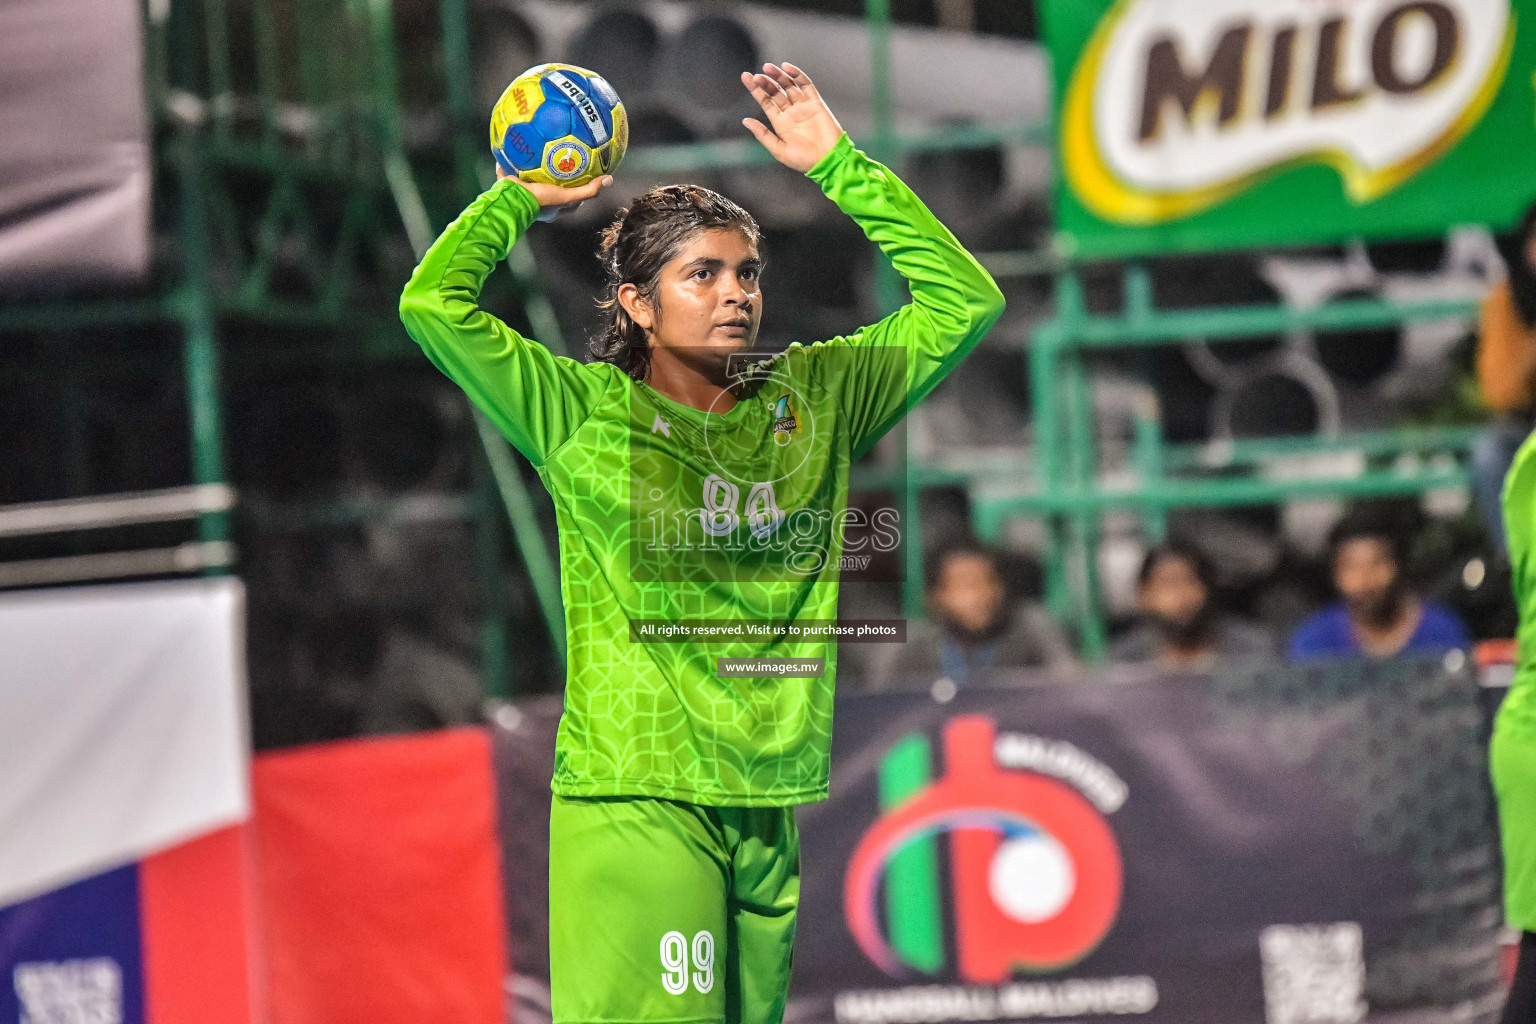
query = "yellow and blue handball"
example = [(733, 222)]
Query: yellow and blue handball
[(560, 125)]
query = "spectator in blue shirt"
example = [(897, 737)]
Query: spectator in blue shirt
[(1379, 615)]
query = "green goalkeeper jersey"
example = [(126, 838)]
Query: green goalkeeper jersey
[(669, 514), (1518, 711)]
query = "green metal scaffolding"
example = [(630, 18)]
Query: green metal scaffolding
[(333, 66)]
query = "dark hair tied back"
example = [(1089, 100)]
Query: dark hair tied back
[(642, 239)]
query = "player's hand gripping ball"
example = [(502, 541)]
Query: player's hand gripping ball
[(558, 124)]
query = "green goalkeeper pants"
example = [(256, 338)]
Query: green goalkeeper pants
[(1513, 760), (661, 911)]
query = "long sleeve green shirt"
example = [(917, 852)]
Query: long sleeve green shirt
[(670, 513), (1518, 711)]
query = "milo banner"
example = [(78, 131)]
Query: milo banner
[(1209, 124), (1296, 846)]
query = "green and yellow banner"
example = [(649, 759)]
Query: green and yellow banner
[(1188, 125)]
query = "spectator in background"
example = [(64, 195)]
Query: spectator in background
[(973, 626), (1181, 630), (1379, 616), (1506, 373)]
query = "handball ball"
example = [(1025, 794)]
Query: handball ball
[(560, 125)]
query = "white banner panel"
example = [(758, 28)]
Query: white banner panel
[(75, 161), (123, 726)]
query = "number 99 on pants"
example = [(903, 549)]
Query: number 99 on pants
[(675, 949)]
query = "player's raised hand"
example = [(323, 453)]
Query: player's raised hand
[(566, 198), (804, 129)]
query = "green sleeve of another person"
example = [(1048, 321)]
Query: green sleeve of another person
[(1519, 708)]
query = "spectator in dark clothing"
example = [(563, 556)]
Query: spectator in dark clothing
[(974, 626), (1379, 615), (1181, 629), (1506, 372)]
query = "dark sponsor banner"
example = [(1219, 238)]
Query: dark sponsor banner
[(75, 163), (1291, 846)]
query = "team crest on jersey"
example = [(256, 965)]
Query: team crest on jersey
[(784, 422)]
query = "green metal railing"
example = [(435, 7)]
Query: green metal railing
[(279, 127), (281, 123), (1067, 491)]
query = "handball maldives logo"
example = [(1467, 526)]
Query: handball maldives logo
[(1036, 874)]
